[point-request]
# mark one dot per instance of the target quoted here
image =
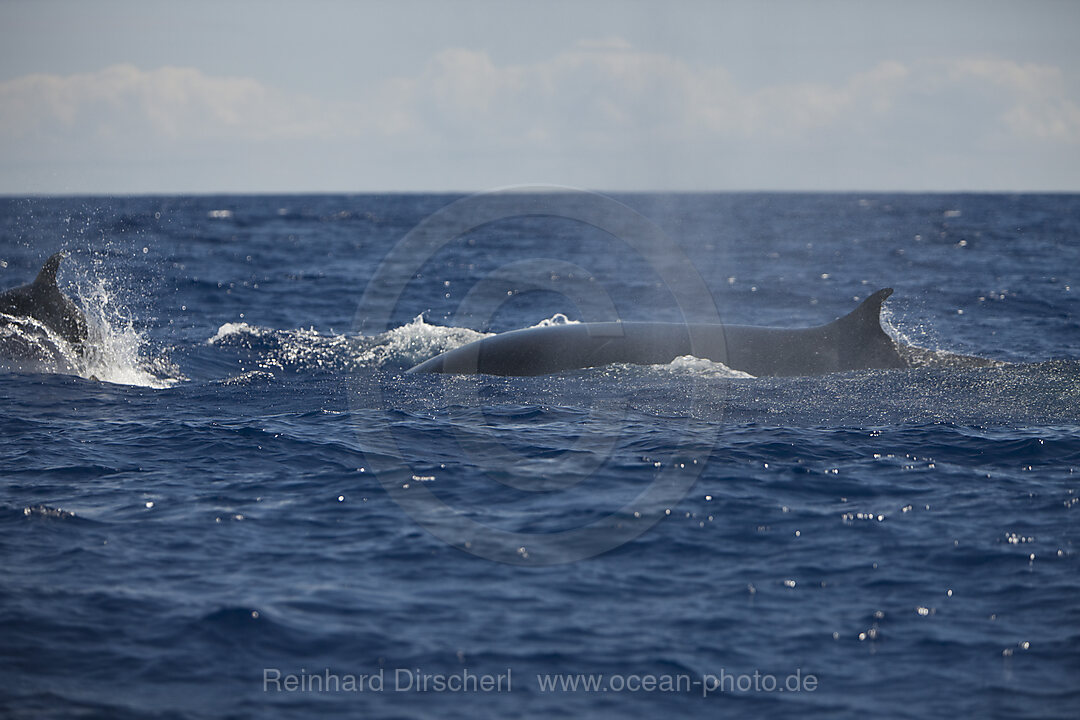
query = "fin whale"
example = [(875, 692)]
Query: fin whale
[(43, 301), (855, 341)]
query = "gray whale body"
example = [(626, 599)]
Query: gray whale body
[(43, 301), (853, 342)]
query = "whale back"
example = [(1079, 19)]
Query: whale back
[(853, 342), (43, 301)]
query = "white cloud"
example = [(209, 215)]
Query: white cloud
[(169, 103), (601, 113), (606, 91), (1039, 105)]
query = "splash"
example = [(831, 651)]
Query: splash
[(29, 344), (309, 350), (891, 326), (114, 351), (915, 353), (418, 340), (118, 352)]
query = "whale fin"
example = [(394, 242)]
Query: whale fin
[(868, 314), (43, 301), (47, 276), (868, 344)]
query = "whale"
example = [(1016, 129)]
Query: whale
[(855, 341), (43, 302)]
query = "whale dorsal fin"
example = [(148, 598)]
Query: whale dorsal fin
[(47, 276), (865, 342), (868, 314)]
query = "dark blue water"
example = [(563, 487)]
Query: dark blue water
[(252, 491)]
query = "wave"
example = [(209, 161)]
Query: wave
[(310, 350)]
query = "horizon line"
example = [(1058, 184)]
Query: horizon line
[(524, 189)]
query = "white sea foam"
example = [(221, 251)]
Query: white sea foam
[(690, 365), (231, 330), (557, 319)]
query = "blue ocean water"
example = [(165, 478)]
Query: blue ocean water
[(238, 505)]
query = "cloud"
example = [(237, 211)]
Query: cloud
[(600, 113), (604, 91), (1039, 106), (168, 104)]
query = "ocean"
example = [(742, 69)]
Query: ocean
[(236, 504)]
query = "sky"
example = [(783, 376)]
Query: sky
[(132, 97)]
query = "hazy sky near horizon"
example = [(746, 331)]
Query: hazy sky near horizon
[(125, 96)]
